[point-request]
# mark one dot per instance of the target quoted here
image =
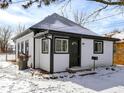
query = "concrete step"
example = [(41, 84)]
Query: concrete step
[(76, 69)]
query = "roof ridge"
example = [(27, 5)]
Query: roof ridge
[(66, 19)]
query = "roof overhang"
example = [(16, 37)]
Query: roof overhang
[(61, 33), (22, 34)]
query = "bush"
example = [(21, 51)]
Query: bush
[(22, 61)]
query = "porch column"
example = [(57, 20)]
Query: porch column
[(34, 53), (52, 55)]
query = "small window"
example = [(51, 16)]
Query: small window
[(61, 45), (98, 47), (22, 47), (45, 45), (27, 47)]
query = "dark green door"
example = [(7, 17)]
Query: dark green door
[(74, 49)]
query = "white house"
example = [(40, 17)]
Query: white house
[(57, 43)]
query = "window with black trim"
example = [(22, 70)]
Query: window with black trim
[(18, 48), (61, 45), (22, 47), (27, 47), (98, 47), (45, 45)]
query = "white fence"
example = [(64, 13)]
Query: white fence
[(8, 56)]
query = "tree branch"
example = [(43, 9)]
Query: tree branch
[(109, 2)]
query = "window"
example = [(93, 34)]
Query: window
[(22, 47), (98, 47), (18, 48), (45, 45), (61, 45), (27, 47)]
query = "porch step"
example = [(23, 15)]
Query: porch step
[(76, 69)]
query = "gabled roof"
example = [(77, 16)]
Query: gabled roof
[(58, 23)]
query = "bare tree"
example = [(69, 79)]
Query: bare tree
[(28, 3), (5, 34), (20, 28), (78, 17), (117, 4)]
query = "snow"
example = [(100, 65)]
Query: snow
[(10, 56), (107, 80), (58, 23), (119, 35)]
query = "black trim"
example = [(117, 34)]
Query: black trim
[(18, 44), (61, 52), (43, 52), (52, 55), (34, 52), (82, 35), (95, 52), (80, 51)]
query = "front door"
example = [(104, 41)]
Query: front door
[(74, 50)]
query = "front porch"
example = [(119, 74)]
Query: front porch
[(57, 52)]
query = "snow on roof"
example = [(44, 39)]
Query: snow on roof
[(119, 35), (59, 23)]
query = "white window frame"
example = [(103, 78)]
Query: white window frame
[(22, 47), (27, 47), (45, 51), (61, 39), (19, 47)]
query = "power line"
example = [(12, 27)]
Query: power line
[(114, 25), (104, 17), (118, 24), (97, 20)]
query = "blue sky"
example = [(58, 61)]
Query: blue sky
[(15, 15)]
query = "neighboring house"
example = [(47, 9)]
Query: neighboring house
[(10, 47), (57, 43), (119, 47)]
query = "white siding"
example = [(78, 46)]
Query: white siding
[(104, 59), (37, 53), (61, 62), (24, 38), (44, 58)]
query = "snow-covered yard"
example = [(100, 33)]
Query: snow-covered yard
[(105, 81)]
